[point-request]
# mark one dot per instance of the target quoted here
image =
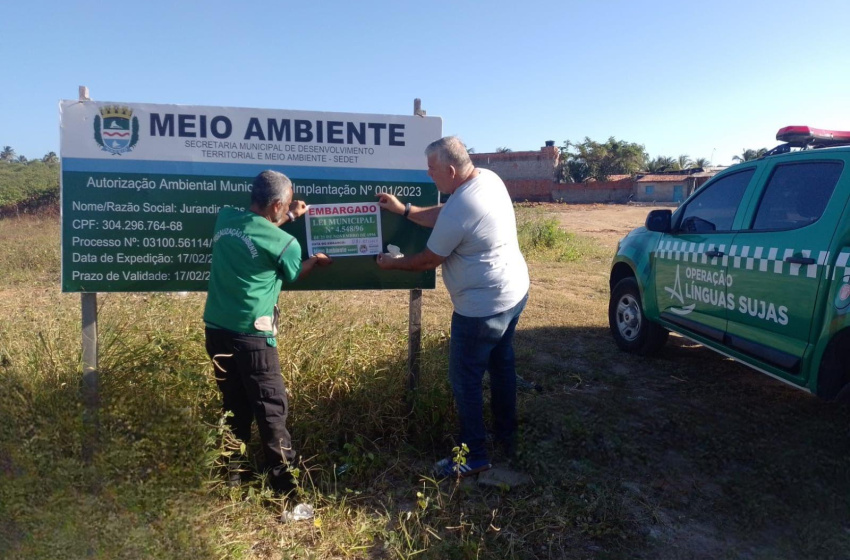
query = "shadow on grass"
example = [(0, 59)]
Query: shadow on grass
[(724, 460)]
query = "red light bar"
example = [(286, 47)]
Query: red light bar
[(806, 135)]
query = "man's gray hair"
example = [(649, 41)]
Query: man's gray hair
[(449, 151), (269, 187)]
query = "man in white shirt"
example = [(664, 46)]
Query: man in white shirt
[(474, 239)]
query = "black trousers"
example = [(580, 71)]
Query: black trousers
[(252, 388)]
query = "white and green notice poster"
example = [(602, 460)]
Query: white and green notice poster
[(344, 230), (142, 185)]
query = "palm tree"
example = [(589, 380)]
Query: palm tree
[(21, 159), (749, 155), (502, 150), (652, 165), (659, 164), (682, 162), (8, 154), (50, 157), (573, 171), (701, 162)]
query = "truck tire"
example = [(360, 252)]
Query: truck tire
[(631, 330), (834, 373)]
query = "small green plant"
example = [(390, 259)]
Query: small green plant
[(459, 454), (219, 448), (357, 459)]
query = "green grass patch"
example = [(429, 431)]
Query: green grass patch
[(541, 239)]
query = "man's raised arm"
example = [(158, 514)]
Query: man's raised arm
[(421, 215)]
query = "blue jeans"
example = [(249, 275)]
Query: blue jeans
[(480, 344)]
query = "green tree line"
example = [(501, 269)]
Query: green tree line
[(8, 155), (591, 160), (24, 181)]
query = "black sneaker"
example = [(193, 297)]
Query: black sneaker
[(448, 468), (283, 485), (237, 471)]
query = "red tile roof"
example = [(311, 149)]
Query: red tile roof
[(661, 178)]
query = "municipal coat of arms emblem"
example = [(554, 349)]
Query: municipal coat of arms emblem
[(117, 132)]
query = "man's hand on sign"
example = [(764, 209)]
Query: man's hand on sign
[(308, 264), (391, 203), (385, 261), (424, 260), (323, 260), (298, 208)]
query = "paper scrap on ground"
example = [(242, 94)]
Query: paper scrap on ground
[(300, 512)]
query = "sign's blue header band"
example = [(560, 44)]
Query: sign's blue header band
[(278, 130), (240, 170)]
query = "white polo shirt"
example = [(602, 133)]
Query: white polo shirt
[(484, 271)]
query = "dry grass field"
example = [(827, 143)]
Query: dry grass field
[(687, 455), (606, 223)]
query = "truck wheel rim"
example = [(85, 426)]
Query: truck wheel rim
[(628, 317)]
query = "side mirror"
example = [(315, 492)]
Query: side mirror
[(659, 220)]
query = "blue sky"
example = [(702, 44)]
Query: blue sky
[(706, 79)]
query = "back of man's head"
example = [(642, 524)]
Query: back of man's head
[(449, 150), (269, 187)]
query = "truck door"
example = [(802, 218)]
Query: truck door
[(691, 287), (779, 260)]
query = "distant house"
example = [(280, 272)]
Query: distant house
[(528, 175), (673, 186), (531, 175)]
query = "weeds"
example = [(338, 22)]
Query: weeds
[(22, 184), (631, 458), (29, 254), (542, 239)]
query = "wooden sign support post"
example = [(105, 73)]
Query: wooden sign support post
[(414, 327), (89, 387)]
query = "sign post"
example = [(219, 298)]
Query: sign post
[(414, 317), (89, 388)]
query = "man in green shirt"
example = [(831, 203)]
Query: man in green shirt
[(252, 258)]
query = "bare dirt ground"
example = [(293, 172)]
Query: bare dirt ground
[(700, 455), (607, 223)]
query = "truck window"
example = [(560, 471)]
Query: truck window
[(714, 207), (796, 195)]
